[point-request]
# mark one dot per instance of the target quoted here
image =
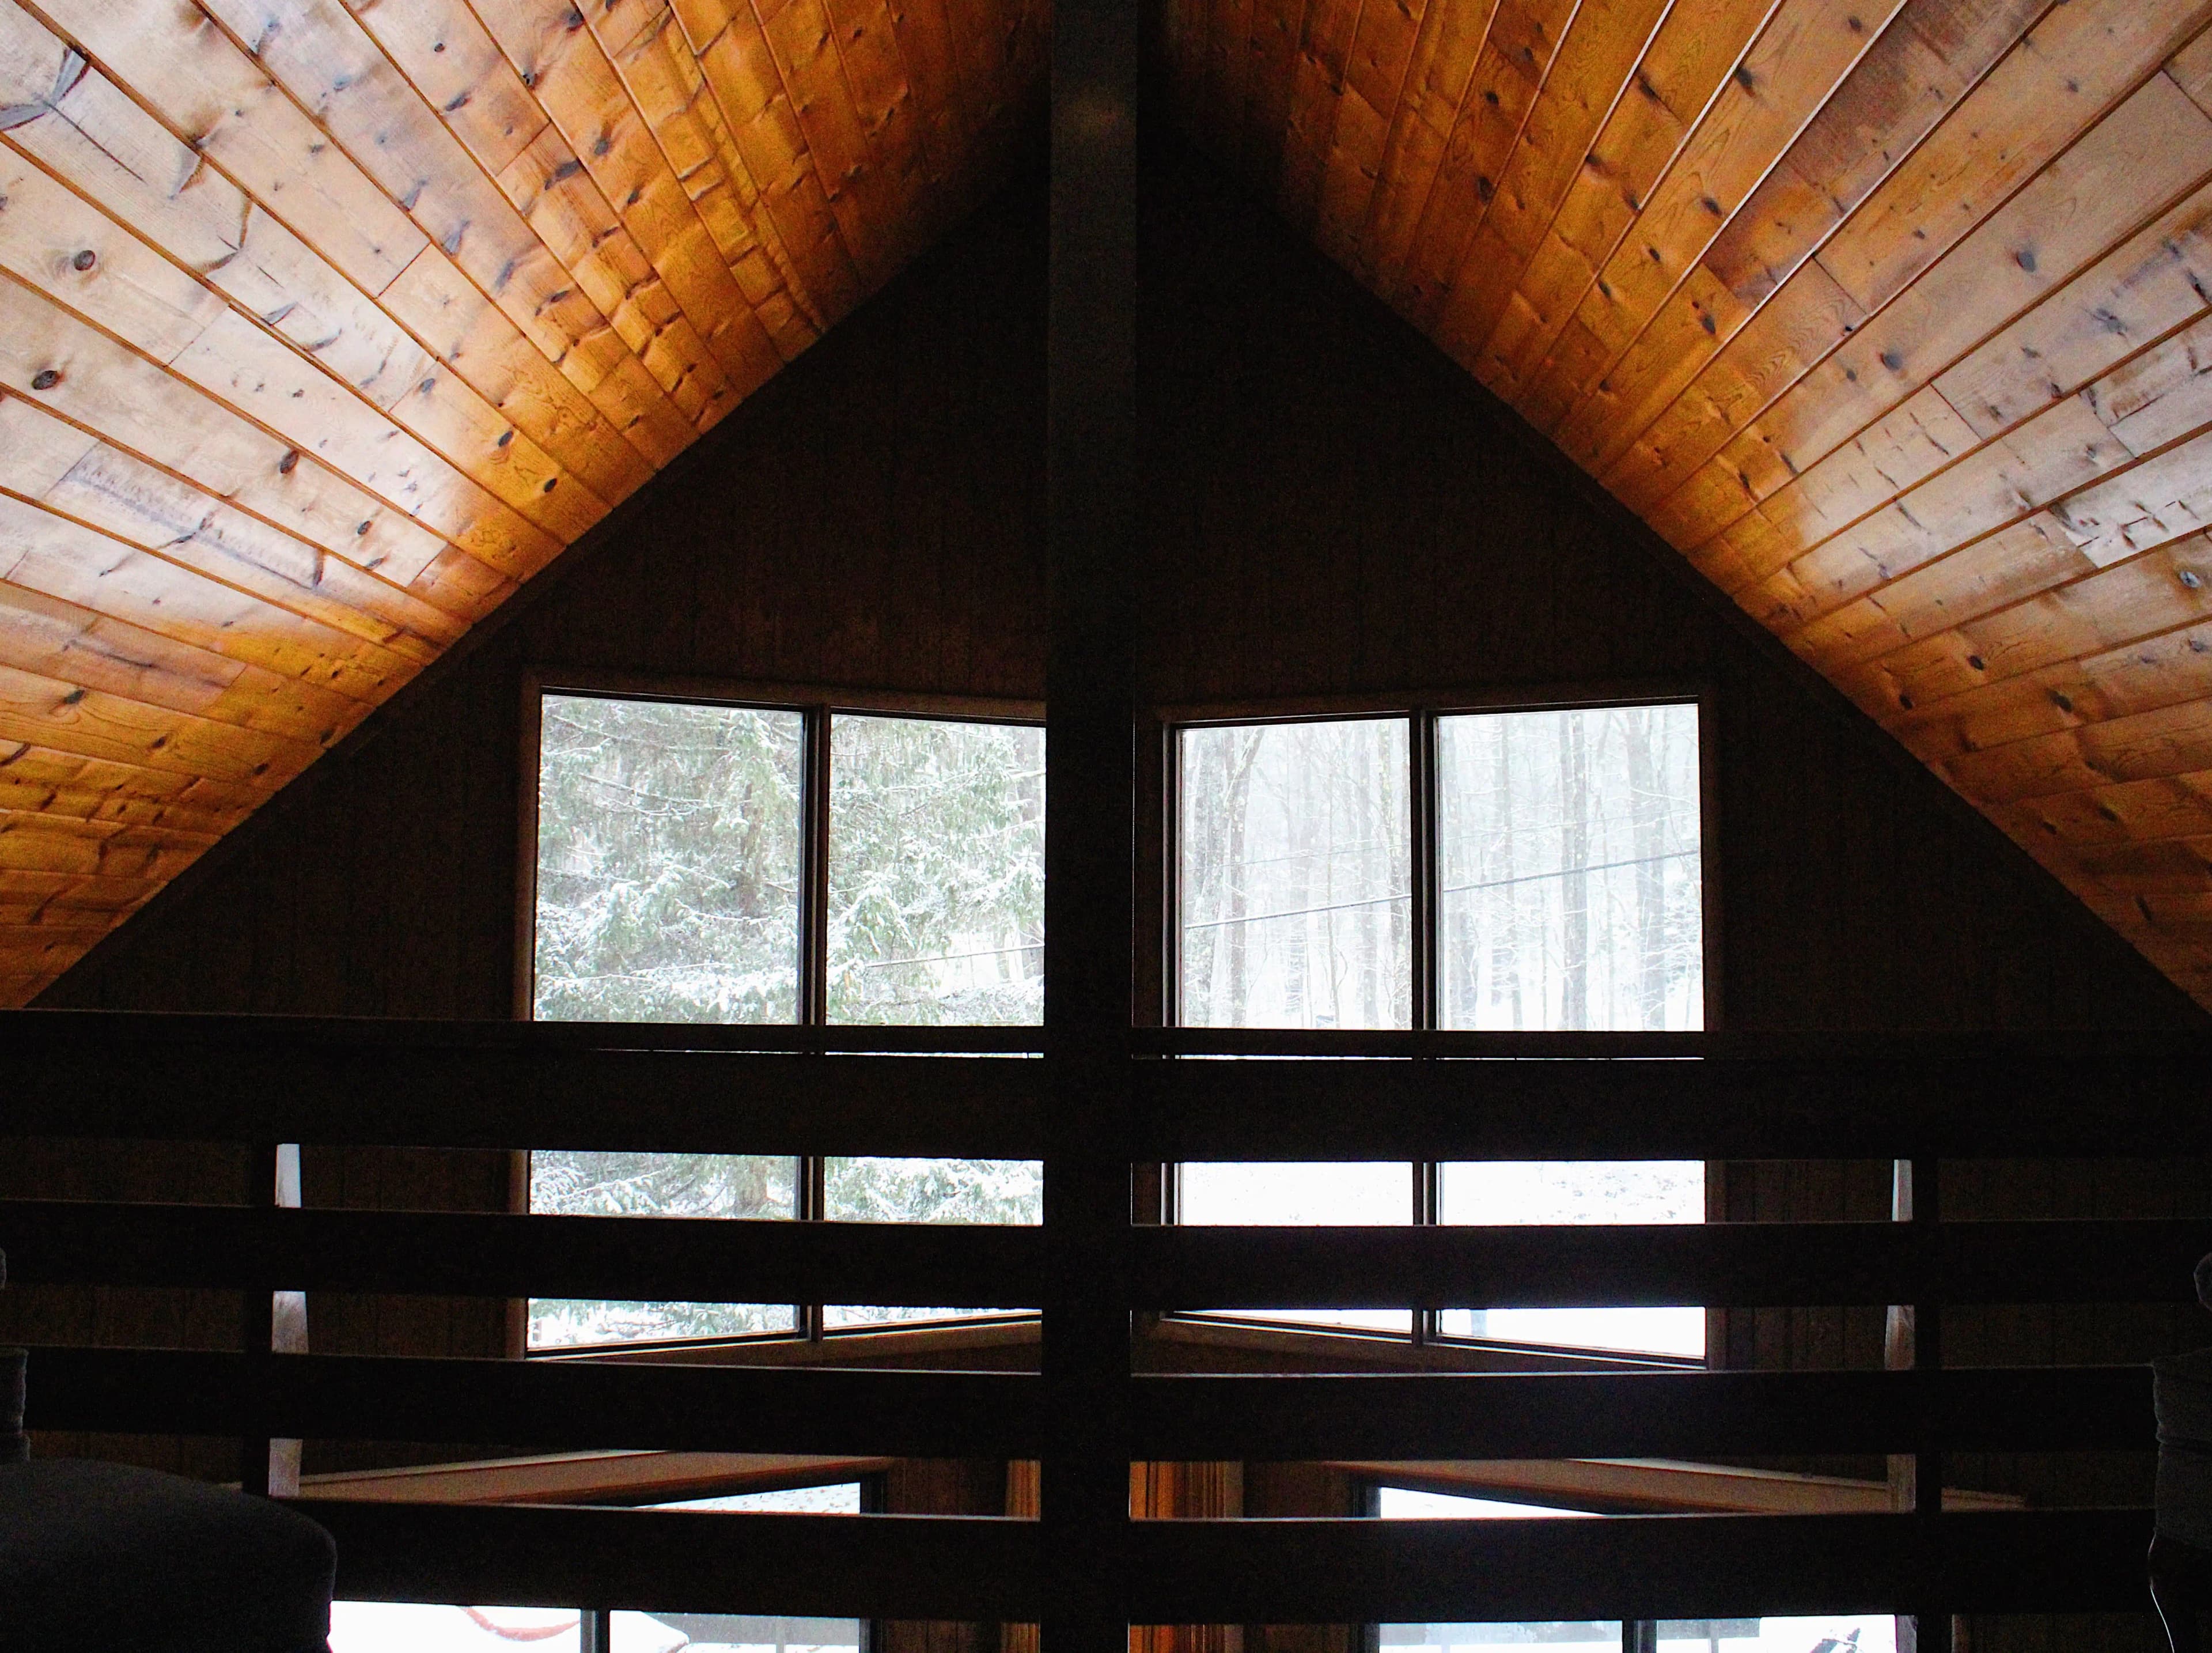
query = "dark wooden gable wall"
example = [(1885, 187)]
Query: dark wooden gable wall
[(1332, 507)]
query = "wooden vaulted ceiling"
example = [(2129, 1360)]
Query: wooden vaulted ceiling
[(1892, 316), (324, 326), (323, 323)]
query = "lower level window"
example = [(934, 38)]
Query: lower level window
[(1825, 1633), (762, 1188), (1475, 1192), (417, 1627)]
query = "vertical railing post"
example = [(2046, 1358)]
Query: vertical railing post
[(1091, 517), (1931, 1621)]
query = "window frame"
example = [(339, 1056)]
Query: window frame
[(818, 705), (1158, 990)]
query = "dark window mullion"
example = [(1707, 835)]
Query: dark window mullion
[(814, 962), (1427, 877)]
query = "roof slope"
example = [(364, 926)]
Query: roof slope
[(324, 326), (1892, 316)]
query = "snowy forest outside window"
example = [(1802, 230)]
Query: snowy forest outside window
[(1537, 870), (681, 850)]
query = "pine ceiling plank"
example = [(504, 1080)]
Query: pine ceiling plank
[(798, 34), (877, 79), (1943, 186), (389, 632), (127, 289), (1317, 84), (1524, 42), (322, 58), (460, 74), (1805, 51), (475, 339), (557, 307), (67, 561), (53, 712), (241, 122), (2062, 449), (665, 82), (1868, 131), (1383, 40), (2149, 745), (54, 802), (2063, 618), (1361, 135), (2149, 285), (1914, 75), (516, 520), (1688, 63), (748, 89), (2138, 675), (123, 160), (1595, 71), (45, 781), (2145, 287), (2099, 191), (570, 76), (56, 639), (2172, 807), (563, 204), (99, 385)]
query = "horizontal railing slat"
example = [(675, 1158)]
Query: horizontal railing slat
[(941, 1567), (495, 1254), (553, 1405), (1273, 1572), (433, 1096), (1435, 1096), (540, 1405), (1638, 1566), (981, 1266), (1778, 1107), (1477, 1415), (1717, 1264)]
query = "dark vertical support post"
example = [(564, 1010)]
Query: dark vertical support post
[(256, 1330), (1090, 820), (1932, 1620), (809, 1194)]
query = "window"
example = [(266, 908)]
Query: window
[(1534, 870), (1829, 1633), (794, 864)]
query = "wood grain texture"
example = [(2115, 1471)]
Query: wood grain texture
[(1892, 318), (327, 325)]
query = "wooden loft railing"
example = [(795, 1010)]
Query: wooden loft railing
[(259, 1082)]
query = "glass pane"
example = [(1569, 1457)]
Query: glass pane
[(842, 1498), (1510, 1192), (873, 1190), (1570, 889), (1404, 1504), (668, 856), (665, 1633), (1293, 877), (594, 1184), (1836, 1633), (936, 872), (1303, 1194), (417, 1627)]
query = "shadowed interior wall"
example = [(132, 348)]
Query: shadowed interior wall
[(1332, 507)]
